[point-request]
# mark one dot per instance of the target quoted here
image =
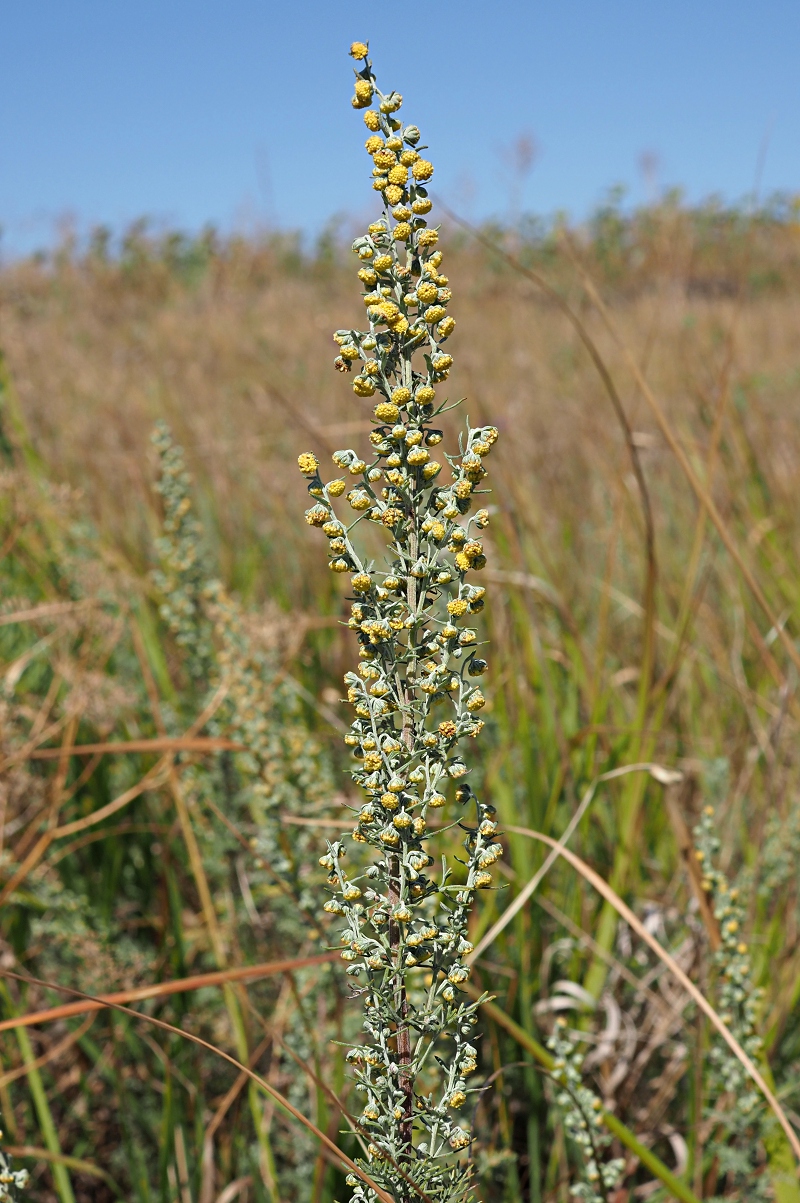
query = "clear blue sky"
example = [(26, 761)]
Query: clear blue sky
[(237, 111)]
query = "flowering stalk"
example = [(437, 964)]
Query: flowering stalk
[(405, 931), (732, 1098), (582, 1113), (284, 768)]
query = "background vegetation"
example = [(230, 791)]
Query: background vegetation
[(625, 629)]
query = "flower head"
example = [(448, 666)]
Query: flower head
[(363, 94)]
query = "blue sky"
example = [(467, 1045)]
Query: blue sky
[(238, 113)]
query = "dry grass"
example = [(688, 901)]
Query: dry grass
[(231, 344)]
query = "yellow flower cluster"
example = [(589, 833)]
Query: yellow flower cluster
[(405, 294)]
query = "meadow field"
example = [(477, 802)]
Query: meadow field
[(173, 649)]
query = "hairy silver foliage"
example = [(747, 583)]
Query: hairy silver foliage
[(582, 1110), (735, 1109)]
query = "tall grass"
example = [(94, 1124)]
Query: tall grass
[(609, 649)]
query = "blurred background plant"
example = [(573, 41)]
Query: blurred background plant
[(622, 631)]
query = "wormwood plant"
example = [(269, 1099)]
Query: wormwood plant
[(582, 1110), (285, 770), (406, 929), (735, 1110)]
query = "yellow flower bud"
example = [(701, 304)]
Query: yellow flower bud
[(363, 387), (422, 169), (359, 50), (359, 499), (317, 515), (372, 120), (308, 463)]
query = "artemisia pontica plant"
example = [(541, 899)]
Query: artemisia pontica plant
[(415, 693)]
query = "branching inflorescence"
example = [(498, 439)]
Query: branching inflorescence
[(733, 1101), (582, 1110), (405, 930)]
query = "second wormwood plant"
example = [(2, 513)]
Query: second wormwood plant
[(415, 692)]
